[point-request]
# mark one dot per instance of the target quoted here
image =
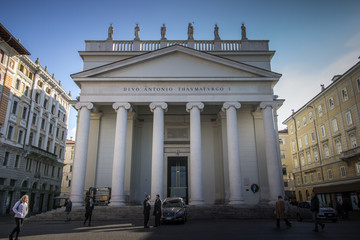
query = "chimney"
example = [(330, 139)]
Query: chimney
[(322, 87), (293, 111)]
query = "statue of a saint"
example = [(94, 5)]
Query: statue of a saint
[(216, 32), (243, 32), (137, 30), (110, 32), (190, 32), (163, 32)]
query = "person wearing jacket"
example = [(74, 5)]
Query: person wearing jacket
[(315, 208), (20, 209), (88, 210)]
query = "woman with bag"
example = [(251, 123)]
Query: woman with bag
[(20, 209)]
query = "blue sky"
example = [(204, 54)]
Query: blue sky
[(313, 39)]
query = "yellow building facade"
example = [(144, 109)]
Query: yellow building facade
[(324, 142)]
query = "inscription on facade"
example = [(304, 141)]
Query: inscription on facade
[(175, 89)]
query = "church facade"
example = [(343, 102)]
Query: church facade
[(193, 119)]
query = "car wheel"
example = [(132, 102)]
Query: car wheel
[(298, 217)]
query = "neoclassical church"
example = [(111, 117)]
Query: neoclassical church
[(189, 118)]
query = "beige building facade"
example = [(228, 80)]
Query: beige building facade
[(324, 142)]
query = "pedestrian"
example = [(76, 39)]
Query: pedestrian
[(157, 210), (315, 207), (20, 209), (146, 211), (280, 212), (339, 209), (88, 210), (68, 206)]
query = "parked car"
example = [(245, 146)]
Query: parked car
[(325, 213), (174, 210)]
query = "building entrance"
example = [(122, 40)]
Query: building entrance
[(178, 177)]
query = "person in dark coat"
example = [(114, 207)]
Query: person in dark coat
[(157, 210), (146, 211), (68, 206), (88, 210), (280, 212), (315, 207)]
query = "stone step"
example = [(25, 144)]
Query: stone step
[(107, 213)]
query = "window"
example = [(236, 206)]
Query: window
[(316, 155), (28, 164), (45, 103), (21, 133), (52, 109), (14, 109), (298, 124), (17, 84), (57, 132), (52, 171), (338, 146), (282, 154), (298, 180), (26, 92), (308, 156), (344, 94), (64, 117), (63, 135), (34, 118), (357, 167), (291, 129), (281, 141), (24, 113), (306, 140), (320, 112), (358, 84), (60, 153), (310, 117), (69, 183), (305, 179), (37, 98), (10, 132), (58, 173), (296, 164), (326, 150), (302, 159), (284, 172), (319, 176), (6, 159), (2, 56), (330, 176), (40, 83), (300, 143), (353, 142), (50, 128), (342, 171), (348, 118), (17, 161), (335, 125), (43, 123), (40, 142), (313, 136), (71, 168), (304, 120), (293, 146), (331, 103), (311, 177), (322, 130)]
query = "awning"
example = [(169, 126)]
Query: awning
[(345, 187)]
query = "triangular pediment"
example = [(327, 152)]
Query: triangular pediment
[(175, 62)]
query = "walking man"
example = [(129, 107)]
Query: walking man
[(315, 207), (147, 208), (280, 212), (88, 210), (68, 206), (157, 210)]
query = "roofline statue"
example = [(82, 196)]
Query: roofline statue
[(190, 32), (111, 32), (216, 33), (163, 32), (243, 32), (137, 30)]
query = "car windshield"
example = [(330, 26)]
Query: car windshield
[(170, 204)]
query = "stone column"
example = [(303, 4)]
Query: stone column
[(233, 153), (276, 186), (118, 171), (81, 149), (196, 193), (157, 164)]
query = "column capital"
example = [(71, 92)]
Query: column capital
[(80, 105), (191, 105), (124, 105), (227, 105), (154, 105), (268, 104)]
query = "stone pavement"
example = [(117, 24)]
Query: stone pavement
[(222, 229)]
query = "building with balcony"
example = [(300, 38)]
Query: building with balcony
[(324, 139), (34, 111), (186, 118)]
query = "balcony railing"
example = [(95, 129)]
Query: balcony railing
[(40, 152), (349, 154)]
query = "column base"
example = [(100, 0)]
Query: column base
[(196, 202), (117, 203), (77, 200), (236, 202)]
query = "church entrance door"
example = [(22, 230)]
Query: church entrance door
[(177, 177)]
